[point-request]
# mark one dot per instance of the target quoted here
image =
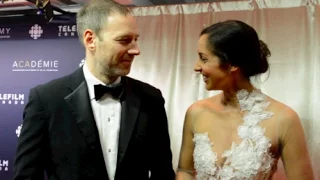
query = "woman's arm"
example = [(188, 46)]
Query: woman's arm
[(185, 169), (294, 152)]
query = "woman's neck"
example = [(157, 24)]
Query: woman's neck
[(229, 98)]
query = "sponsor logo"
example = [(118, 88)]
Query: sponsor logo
[(35, 31), (40, 65), (67, 30), (12, 99), (18, 130), (5, 33), (4, 165), (82, 62)]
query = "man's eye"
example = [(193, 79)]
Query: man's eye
[(125, 40)]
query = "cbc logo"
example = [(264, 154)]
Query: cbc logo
[(18, 130), (82, 62)]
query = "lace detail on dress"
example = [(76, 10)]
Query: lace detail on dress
[(248, 160), (203, 150)]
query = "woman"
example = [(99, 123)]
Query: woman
[(240, 133)]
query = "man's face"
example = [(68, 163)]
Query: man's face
[(116, 45)]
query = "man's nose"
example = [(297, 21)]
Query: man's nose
[(134, 50)]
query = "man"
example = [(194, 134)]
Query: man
[(74, 129)]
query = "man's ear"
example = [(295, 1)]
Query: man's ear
[(89, 39)]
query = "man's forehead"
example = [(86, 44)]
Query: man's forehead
[(128, 34), (124, 33), (122, 25), (120, 19)]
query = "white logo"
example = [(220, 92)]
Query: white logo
[(67, 30), (18, 130), (82, 62), (12, 99), (4, 165), (35, 31), (5, 33), (32, 65)]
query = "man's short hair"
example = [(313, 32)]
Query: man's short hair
[(94, 14)]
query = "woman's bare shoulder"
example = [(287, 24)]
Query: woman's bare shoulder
[(204, 107), (284, 111), (284, 114), (204, 104)]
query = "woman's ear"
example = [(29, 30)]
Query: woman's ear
[(233, 69)]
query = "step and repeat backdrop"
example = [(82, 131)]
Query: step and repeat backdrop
[(30, 54)]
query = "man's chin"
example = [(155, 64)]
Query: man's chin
[(124, 72)]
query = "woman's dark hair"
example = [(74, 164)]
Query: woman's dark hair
[(236, 43)]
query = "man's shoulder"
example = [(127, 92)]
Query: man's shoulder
[(144, 88), (54, 85)]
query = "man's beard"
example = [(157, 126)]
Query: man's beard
[(112, 71)]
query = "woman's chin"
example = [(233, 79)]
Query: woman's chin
[(209, 86)]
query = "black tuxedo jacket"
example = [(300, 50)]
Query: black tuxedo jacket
[(59, 134)]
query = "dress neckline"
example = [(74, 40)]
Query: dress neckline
[(254, 143)]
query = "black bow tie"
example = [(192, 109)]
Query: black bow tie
[(114, 90)]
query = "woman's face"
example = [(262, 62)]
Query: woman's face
[(208, 65)]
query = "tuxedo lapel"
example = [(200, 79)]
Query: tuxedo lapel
[(79, 104), (129, 114)]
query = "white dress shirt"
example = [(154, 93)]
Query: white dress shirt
[(107, 113)]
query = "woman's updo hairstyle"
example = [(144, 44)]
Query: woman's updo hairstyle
[(237, 44)]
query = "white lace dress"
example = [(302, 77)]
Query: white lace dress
[(249, 160)]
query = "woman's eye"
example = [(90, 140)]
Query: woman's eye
[(203, 59)]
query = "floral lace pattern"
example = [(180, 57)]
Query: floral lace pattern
[(248, 160)]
